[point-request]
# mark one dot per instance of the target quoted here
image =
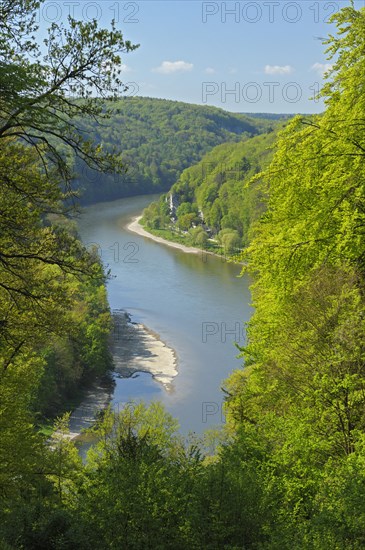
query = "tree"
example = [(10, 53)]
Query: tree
[(42, 97), (35, 259), (302, 390), (185, 208), (43, 268), (64, 461), (134, 489), (37, 108), (185, 221), (199, 237), (230, 240)]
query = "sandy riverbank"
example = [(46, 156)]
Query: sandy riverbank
[(136, 348), (135, 227)]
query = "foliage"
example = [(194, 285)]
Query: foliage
[(158, 139), (288, 472), (303, 386), (218, 188), (54, 316), (42, 97)]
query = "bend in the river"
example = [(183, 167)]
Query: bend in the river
[(196, 303)]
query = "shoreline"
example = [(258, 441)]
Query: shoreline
[(135, 348), (135, 227), (97, 399)]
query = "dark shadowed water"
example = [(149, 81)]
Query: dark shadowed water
[(196, 303)]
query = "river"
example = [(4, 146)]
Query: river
[(197, 303)]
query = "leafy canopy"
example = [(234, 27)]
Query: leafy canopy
[(45, 88)]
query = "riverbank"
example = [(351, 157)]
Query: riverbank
[(96, 400), (178, 292), (135, 227), (136, 348)]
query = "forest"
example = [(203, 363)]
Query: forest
[(156, 139), (214, 202), (287, 470)]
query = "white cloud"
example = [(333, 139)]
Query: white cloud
[(278, 69), (233, 70), (171, 67), (321, 68), (210, 70)]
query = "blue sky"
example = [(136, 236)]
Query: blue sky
[(249, 56)]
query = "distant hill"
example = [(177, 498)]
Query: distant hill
[(159, 139), (270, 116), (214, 194)]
